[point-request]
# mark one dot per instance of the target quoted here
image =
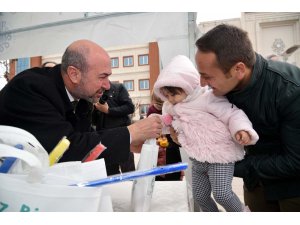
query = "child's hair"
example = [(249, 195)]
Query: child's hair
[(172, 90), (155, 99)]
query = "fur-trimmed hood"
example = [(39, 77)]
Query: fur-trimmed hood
[(180, 72)]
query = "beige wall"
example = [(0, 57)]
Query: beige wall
[(52, 58), (134, 73)]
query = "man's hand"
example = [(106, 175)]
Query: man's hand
[(102, 107), (144, 129), (136, 148)]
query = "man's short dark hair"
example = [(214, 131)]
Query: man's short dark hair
[(230, 44)]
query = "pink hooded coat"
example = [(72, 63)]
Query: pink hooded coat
[(206, 124)]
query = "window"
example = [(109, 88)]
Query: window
[(127, 61), (144, 84), (143, 60), (22, 64), (128, 84), (114, 62), (144, 109)]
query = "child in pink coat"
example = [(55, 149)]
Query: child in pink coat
[(210, 129)]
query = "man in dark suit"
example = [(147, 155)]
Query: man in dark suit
[(113, 111), (39, 100)]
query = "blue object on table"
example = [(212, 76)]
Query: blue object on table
[(9, 161), (171, 168)]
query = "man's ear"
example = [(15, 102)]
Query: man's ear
[(74, 74), (239, 70)]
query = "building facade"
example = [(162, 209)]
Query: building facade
[(137, 68)]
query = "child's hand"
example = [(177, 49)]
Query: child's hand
[(243, 137), (167, 119)]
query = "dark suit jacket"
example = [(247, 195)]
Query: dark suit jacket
[(36, 100)]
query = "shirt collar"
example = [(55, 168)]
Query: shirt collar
[(70, 96)]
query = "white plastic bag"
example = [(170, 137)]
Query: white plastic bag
[(13, 136), (16, 194), (42, 188), (142, 189)]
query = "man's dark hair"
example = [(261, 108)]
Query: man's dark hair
[(76, 58), (230, 44)]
